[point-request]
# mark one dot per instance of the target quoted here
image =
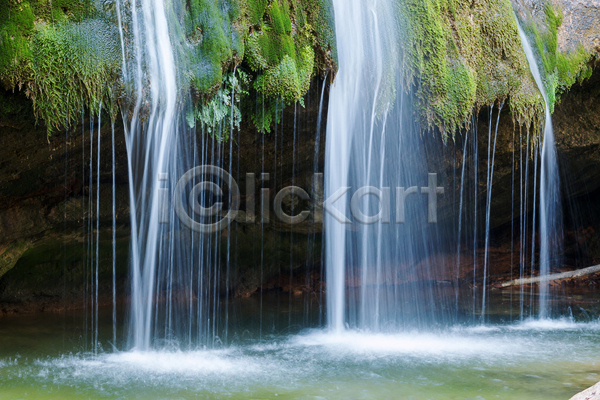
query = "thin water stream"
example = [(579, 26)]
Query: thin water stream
[(550, 201)]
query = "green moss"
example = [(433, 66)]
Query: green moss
[(18, 19), (319, 15), (16, 32), (280, 50), (215, 33), (222, 114), (275, 41), (62, 56), (65, 54), (559, 70), (256, 10), (461, 55), (74, 65), (280, 19)]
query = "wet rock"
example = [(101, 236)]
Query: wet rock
[(592, 393)]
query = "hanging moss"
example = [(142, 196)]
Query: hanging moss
[(18, 20), (65, 54), (59, 54), (280, 50), (462, 55), (272, 39), (74, 65), (215, 33), (222, 114), (320, 16), (16, 32)]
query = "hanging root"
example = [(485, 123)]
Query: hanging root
[(553, 277)]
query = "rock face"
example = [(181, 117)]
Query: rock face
[(577, 128), (580, 24), (48, 209), (579, 21), (592, 393), (47, 230)]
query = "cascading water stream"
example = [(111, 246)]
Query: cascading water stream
[(550, 202), (489, 186), (374, 149), (376, 270), (160, 148)]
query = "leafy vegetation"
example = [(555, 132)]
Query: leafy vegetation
[(222, 113), (60, 53), (458, 56), (463, 55)]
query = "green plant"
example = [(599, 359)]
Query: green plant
[(221, 114)]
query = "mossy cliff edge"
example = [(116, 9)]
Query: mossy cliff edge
[(459, 56), (66, 55), (462, 55)]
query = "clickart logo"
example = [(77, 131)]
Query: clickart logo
[(198, 201)]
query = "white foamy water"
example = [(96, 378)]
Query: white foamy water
[(547, 359), (423, 345), (562, 324), (200, 363)]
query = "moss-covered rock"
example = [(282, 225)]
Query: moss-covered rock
[(62, 53), (461, 55), (215, 33), (66, 54), (284, 52), (560, 69), (280, 44)]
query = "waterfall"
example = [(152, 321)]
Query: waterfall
[(550, 203), (384, 265), (344, 104), (489, 186), (97, 231), (114, 237), (151, 152), (374, 149), (161, 148)]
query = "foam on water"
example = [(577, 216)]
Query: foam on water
[(423, 345), (222, 362), (530, 340), (218, 371), (561, 324), (201, 363), (314, 362)]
